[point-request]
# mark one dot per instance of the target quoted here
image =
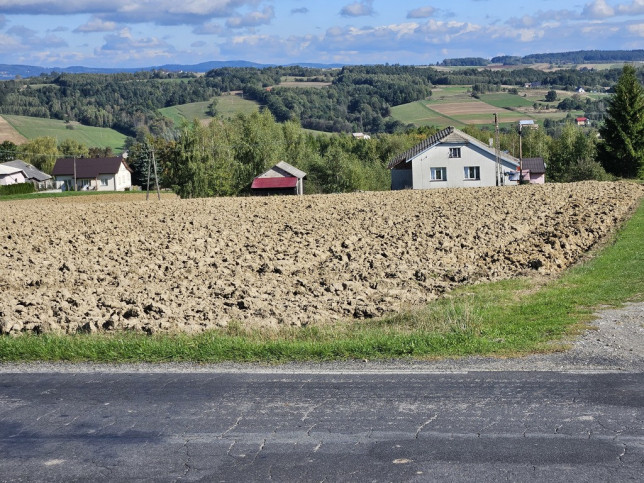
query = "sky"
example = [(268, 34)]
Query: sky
[(143, 33)]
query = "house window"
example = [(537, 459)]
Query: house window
[(439, 174), (454, 152), (472, 172), (104, 182)]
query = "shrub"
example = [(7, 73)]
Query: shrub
[(17, 189)]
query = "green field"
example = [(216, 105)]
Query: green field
[(227, 106), (33, 127), (505, 100), (419, 114)]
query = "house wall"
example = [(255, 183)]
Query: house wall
[(13, 178), (538, 178), (471, 156), (123, 179), (109, 181), (401, 179)]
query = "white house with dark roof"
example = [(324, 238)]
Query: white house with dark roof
[(99, 174), (450, 159)]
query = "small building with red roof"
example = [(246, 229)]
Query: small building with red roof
[(281, 179)]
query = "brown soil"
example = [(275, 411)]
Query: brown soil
[(8, 133), (192, 265)]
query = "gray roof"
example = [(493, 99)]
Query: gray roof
[(449, 135), (292, 170), (535, 165), (31, 172)]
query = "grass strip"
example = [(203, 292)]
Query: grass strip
[(505, 318)]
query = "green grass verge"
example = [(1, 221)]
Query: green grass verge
[(504, 318), (33, 127), (68, 194)]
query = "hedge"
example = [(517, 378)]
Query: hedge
[(17, 189)]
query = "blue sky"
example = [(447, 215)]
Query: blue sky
[(128, 33)]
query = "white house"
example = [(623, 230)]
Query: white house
[(98, 174), (11, 175), (450, 159), (33, 175)]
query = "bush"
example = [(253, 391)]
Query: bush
[(587, 169), (17, 189)]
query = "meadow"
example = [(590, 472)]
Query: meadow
[(33, 127)]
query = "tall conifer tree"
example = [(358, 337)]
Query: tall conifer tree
[(622, 150)]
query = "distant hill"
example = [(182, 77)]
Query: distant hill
[(8, 71), (578, 57)]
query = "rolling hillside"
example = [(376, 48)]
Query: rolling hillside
[(227, 106), (33, 127)]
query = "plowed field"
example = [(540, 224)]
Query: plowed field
[(191, 265)]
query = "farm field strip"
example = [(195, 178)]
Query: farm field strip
[(191, 266), (421, 114), (9, 133)]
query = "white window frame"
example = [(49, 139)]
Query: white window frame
[(105, 182), (439, 174), (454, 152), (475, 170)]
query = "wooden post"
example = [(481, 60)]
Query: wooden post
[(156, 176), (147, 194)]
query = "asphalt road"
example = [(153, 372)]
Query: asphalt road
[(227, 426)]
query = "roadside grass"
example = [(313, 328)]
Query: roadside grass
[(70, 194), (505, 318), (33, 127)]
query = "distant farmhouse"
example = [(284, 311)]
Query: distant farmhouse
[(97, 174), (10, 175), (533, 170), (281, 179), (30, 173), (450, 159)]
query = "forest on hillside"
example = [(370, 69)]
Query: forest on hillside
[(358, 98)]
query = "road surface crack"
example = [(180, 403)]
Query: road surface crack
[(430, 420), (235, 424)]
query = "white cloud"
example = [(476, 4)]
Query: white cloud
[(164, 12), (635, 8), (358, 9), (96, 25), (637, 29), (422, 12), (252, 19), (30, 38), (209, 29), (8, 44), (598, 9)]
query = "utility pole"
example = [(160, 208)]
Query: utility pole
[(156, 176), (497, 152)]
